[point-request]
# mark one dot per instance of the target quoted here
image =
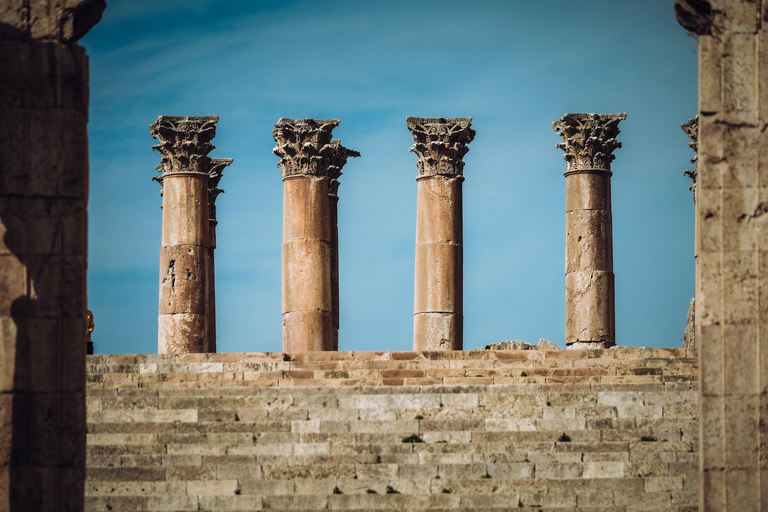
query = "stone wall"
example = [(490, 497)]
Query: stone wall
[(487, 430)]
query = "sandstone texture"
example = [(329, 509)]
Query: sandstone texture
[(612, 430), (731, 249), (43, 252), (589, 141), (440, 145)]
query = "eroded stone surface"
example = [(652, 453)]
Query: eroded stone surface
[(215, 174), (186, 178), (588, 142), (440, 145)]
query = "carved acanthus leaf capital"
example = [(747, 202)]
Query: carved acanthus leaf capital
[(215, 172), (691, 129), (304, 146), (588, 140), (440, 144), (184, 142)]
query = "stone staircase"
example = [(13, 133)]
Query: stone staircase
[(608, 430)]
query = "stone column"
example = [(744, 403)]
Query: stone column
[(43, 252), (338, 159), (215, 173), (438, 309), (183, 320), (589, 141), (691, 128), (732, 251), (304, 146)]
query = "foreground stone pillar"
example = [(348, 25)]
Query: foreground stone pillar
[(183, 320), (732, 251), (215, 173), (589, 141), (337, 160), (438, 309), (43, 252), (304, 146)]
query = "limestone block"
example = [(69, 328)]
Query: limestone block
[(306, 209), (589, 307), (185, 209), (182, 332), (589, 240), (306, 275), (588, 191), (437, 331), (439, 210), (183, 279), (440, 287)]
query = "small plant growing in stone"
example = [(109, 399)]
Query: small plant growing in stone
[(442, 441), (523, 374), (392, 490), (336, 490), (648, 439), (237, 418), (418, 417), (238, 492), (447, 491), (413, 438), (371, 491), (520, 503), (354, 477), (565, 438), (549, 404), (486, 475), (378, 459), (286, 357)]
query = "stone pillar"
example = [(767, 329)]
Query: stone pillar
[(215, 173), (183, 320), (43, 252), (732, 251), (438, 309), (338, 159), (589, 141), (691, 128), (303, 146)]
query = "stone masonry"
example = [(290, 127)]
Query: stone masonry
[(43, 252), (589, 141), (184, 143), (307, 154), (732, 250), (438, 313), (214, 177)]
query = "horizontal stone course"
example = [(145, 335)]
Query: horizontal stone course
[(191, 432)]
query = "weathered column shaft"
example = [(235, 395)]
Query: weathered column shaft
[(43, 253), (440, 145), (732, 252), (183, 319), (691, 128), (215, 173), (306, 153), (589, 140)]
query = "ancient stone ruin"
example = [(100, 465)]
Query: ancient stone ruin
[(313, 428)]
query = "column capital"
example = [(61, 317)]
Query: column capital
[(63, 21), (691, 129), (440, 144), (215, 172), (588, 140), (184, 143), (304, 145), (337, 159)]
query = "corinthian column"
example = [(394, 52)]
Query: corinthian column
[(440, 145), (184, 143), (214, 173), (304, 147), (337, 160), (589, 141)]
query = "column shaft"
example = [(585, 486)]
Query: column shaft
[(438, 308), (334, 212), (215, 174), (307, 318), (43, 255), (589, 280), (589, 141), (440, 144), (183, 321)]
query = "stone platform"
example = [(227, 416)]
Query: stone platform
[(609, 430)]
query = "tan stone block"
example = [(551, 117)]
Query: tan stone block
[(230, 503), (171, 503), (439, 279), (185, 209), (306, 275), (439, 211), (738, 67), (306, 330), (306, 209), (589, 307), (604, 469), (740, 286), (182, 332), (437, 331), (183, 279), (709, 292), (588, 191), (588, 240), (211, 487)]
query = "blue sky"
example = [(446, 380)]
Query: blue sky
[(514, 66)]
